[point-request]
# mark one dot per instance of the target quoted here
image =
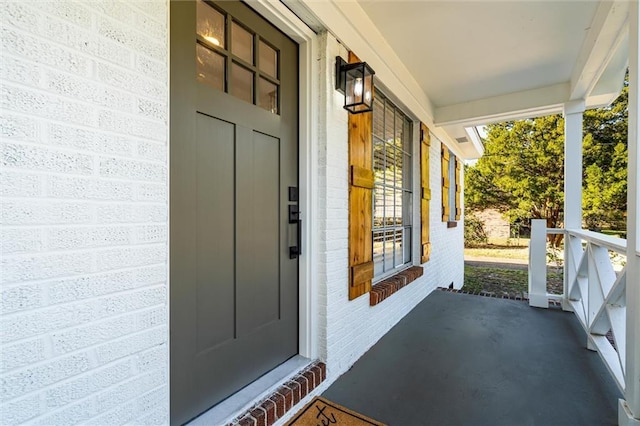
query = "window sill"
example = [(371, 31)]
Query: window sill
[(393, 284), (452, 224)]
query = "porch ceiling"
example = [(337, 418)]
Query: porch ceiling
[(480, 61), (475, 50)]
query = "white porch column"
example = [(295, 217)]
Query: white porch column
[(631, 410), (573, 164), (572, 181)]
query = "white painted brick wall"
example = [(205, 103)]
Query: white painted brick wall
[(83, 180), (349, 328), (83, 126)]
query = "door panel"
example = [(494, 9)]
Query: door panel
[(214, 168), (233, 286), (257, 248)]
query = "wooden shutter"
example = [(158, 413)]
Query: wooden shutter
[(458, 189), (445, 182), (425, 191), (361, 183)]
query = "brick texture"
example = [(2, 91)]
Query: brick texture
[(287, 395), (295, 391), (275, 406), (278, 400), (260, 415), (553, 303), (83, 180), (391, 285)]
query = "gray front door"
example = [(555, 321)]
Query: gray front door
[(233, 157)]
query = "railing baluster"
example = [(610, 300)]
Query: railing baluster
[(592, 289)]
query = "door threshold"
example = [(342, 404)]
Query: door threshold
[(225, 411)]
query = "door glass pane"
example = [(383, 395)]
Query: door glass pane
[(268, 60), (241, 43), (209, 67), (268, 96), (241, 83), (210, 24)]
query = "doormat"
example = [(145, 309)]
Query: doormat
[(321, 412)]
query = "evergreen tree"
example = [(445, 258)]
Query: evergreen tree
[(522, 170), (604, 199)]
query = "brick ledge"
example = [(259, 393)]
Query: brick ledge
[(273, 407), (552, 302), (393, 284)]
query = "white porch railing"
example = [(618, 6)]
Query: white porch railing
[(538, 295), (593, 289)]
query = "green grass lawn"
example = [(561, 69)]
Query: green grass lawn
[(502, 253), (509, 242), (504, 248), (505, 281)]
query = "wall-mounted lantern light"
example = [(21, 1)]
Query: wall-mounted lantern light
[(356, 82)]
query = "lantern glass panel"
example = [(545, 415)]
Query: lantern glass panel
[(355, 85), (368, 89)]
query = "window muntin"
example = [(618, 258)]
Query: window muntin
[(392, 195), (234, 59)]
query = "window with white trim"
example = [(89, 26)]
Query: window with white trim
[(392, 196)]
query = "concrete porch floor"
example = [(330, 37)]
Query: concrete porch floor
[(460, 359)]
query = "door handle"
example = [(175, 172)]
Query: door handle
[(294, 217)]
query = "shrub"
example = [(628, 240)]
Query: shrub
[(474, 233)]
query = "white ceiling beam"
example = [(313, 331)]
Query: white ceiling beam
[(605, 35), (513, 106), (610, 83), (476, 140)]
